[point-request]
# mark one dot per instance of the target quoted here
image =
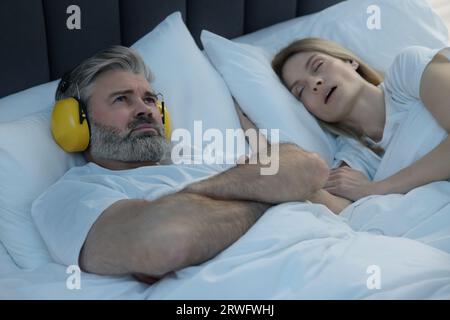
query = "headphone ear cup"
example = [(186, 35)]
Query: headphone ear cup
[(166, 119), (69, 131)]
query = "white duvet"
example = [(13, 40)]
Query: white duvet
[(394, 246)]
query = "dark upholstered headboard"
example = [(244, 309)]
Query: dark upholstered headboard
[(36, 46)]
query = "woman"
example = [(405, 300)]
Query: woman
[(351, 99)]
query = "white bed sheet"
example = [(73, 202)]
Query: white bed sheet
[(49, 282), (295, 251)]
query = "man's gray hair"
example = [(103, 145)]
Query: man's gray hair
[(82, 78)]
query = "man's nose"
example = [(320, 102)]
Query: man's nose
[(143, 109)]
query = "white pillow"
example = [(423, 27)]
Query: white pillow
[(404, 23), (36, 99), (192, 88), (262, 96), (30, 161), (247, 71)]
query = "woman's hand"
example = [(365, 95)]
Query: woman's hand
[(349, 183), (334, 203)]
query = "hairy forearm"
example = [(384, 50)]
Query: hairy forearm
[(300, 174), (434, 166), (152, 238), (239, 183), (216, 224), (189, 229)]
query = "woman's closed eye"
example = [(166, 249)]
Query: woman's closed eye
[(318, 65), (298, 91)]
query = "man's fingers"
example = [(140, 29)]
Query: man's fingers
[(338, 170), (337, 176), (337, 191), (332, 190), (342, 170), (331, 184)]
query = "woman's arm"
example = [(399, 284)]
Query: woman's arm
[(435, 89), (434, 166), (332, 202)]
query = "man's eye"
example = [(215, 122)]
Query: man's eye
[(150, 100), (120, 99)]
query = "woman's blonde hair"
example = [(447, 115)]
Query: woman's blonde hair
[(335, 50)]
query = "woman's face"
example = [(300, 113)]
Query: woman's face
[(327, 86)]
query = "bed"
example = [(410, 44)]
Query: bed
[(381, 247)]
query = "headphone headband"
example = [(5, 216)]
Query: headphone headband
[(65, 82)]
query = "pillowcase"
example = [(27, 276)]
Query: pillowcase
[(30, 161), (36, 99), (245, 62), (262, 96), (404, 23), (193, 90)]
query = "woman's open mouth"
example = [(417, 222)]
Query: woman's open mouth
[(330, 93)]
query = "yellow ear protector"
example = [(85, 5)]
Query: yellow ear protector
[(70, 126), (165, 118)]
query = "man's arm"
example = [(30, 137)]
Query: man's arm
[(154, 238), (299, 176), (301, 171)]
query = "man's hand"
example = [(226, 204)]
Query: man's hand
[(349, 183), (300, 174)]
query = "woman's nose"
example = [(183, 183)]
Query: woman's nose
[(316, 85)]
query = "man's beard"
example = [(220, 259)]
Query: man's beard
[(109, 143)]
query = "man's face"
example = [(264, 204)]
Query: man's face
[(126, 124)]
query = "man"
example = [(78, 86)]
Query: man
[(124, 212)]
